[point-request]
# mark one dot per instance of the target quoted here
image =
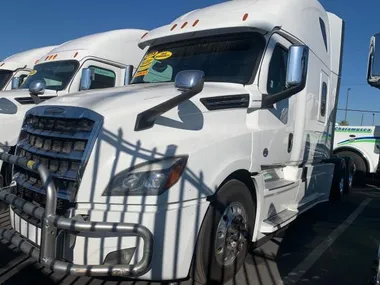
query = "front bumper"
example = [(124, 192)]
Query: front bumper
[(51, 223)]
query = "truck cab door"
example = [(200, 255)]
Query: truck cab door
[(276, 124), (105, 76)]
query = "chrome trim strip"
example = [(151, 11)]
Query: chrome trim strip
[(78, 135)]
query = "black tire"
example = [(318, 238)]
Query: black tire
[(206, 269), (349, 175), (337, 188), (7, 173), (337, 185), (360, 165), (6, 170)]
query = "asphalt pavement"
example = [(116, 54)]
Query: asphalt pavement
[(333, 243)]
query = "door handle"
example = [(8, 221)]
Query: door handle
[(290, 142)]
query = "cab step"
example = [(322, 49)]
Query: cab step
[(275, 222), (277, 184)]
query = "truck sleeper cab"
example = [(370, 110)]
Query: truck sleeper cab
[(19, 65), (223, 137), (96, 61)]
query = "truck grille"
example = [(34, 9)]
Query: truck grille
[(63, 143)]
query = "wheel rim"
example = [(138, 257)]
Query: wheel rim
[(230, 236)]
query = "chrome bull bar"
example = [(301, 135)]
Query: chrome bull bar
[(51, 222)]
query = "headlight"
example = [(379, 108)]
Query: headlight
[(150, 178), (7, 107)]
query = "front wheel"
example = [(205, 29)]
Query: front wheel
[(225, 236)]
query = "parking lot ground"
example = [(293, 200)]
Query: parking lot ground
[(333, 243)]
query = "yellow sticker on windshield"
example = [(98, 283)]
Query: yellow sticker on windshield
[(146, 64), (33, 72), (152, 54), (163, 55), (148, 60), (141, 73)]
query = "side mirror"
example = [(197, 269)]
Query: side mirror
[(296, 75), (37, 87), (373, 68), (187, 80), (86, 79), (16, 82), (128, 74), (297, 66)]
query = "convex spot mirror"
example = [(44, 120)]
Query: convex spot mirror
[(37, 87), (187, 80)]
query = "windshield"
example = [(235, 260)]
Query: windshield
[(56, 74), (226, 58), (5, 75)]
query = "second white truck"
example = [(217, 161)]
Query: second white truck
[(96, 61), (18, 66), (362, 143)]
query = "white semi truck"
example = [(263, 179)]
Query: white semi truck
[(361, 143), (373, 79), (224, 136), (18, 66), (95, 61)]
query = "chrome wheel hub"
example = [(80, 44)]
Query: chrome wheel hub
[(231, 234)]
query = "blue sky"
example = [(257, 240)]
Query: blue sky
[(48, 22)]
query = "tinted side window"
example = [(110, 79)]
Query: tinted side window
[(323, 30), (323, 99), (277, 70), (103, 78)]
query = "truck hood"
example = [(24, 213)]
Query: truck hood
[(188, 129)]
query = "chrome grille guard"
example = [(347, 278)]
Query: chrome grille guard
[(51, 222)]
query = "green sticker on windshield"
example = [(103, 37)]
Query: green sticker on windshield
[(104, 72)]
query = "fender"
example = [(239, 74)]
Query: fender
[(364, 154)]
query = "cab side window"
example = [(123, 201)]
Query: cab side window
[(103, 78), (277, 70)]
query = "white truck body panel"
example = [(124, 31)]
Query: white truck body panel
[(21, 64), (218, 143)]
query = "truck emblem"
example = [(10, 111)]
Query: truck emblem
[(54, 111)]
